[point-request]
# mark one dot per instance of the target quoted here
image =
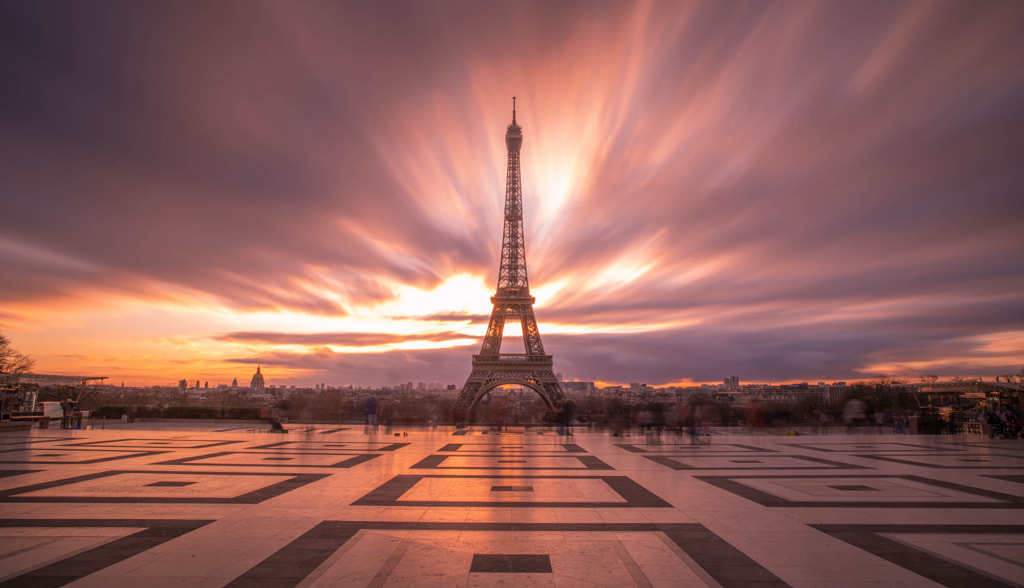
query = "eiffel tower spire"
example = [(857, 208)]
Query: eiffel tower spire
[(512, 274), (512, 299)]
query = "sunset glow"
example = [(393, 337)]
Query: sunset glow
[(779, 191)]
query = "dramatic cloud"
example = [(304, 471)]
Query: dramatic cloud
[(778, 191)]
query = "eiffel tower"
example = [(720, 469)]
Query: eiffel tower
[(512, 299)]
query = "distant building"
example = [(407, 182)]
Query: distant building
[(257, 381), (234, 383), (579, 388), (732, 382), (836, 393)]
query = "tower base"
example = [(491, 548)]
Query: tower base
[(491, 371)]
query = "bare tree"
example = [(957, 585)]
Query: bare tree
[(12, 361)]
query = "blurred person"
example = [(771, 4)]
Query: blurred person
[(853, 414), (370, 411)]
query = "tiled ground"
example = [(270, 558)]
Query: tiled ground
[(218, 505)]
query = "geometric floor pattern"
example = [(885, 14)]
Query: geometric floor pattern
[(196, 504)]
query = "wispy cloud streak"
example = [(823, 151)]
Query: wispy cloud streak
[(775, 190)]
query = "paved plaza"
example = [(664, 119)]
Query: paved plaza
[(229, 505)]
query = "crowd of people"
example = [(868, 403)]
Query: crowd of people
[(1004, 423)]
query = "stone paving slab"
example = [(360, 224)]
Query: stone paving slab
[(215, 505)]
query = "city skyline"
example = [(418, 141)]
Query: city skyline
[(779, 191)]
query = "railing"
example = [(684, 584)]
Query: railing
[(514, 358), (970, 429)]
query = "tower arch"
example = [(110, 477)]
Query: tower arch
[(495, 384)]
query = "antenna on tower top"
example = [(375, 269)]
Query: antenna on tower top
[(513, 110)]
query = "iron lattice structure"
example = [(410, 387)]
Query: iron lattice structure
[(512, 300)]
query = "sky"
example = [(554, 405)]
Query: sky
[(791, 191)]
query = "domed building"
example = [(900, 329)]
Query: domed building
[(257, 380)]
